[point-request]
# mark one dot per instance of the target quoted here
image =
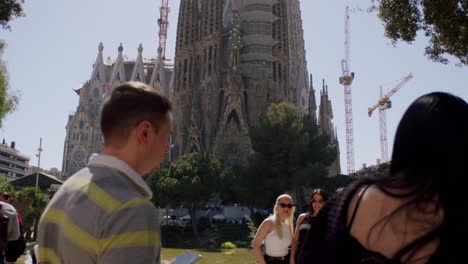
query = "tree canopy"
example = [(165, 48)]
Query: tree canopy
[(9, 10), (444, 22), (8, 100), (190, 181), (289, 154)]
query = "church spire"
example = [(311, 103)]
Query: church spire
[(158, 77), (312, 100), (325, 116), (138, 73), (118, 72), (99, 73)]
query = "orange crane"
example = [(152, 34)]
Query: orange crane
[(346, 79), (384, 104)]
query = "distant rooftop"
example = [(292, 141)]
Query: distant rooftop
[(12, 150)]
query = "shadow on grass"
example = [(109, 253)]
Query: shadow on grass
[(210, 250)]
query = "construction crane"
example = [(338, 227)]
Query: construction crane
[(163, 23), (346, 80), (384, 104)]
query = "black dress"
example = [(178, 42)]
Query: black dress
[(304, 228)]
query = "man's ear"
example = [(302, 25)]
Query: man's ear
[(143, 130)]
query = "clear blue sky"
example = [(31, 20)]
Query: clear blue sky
[(52, 49)]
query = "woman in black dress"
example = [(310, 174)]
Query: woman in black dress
[(304, 222)]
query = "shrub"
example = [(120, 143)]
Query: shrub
[(228, 245)]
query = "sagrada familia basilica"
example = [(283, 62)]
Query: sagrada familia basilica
[(233, 59)]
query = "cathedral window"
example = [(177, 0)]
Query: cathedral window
[(215, 56), (279, 73), (190, 71), (158, 78), (96, 92), (274, 71)]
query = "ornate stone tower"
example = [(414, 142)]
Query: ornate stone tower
[(326, 127), (233, 59), (83, 132)]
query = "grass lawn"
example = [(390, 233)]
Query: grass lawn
[(236, 256)]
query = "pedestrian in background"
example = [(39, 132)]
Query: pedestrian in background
[(15, 247)]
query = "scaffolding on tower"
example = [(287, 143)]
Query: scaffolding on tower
[(163, 23), (346, 80)]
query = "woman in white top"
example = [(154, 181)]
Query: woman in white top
[(276, 232)]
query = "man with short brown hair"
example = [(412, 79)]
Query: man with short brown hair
[(103, 213)]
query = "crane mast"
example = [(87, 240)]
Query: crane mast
[(163, 23), (346, 80), (384, 104)]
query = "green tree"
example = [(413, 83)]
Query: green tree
[(4, 185), (444, 22), (30, 204), (191, 181), (277, 143), (8, 100), (9, 10), (289, 154)]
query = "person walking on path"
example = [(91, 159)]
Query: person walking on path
[(12, 230), (16, 247)]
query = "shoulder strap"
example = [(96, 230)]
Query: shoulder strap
[(356, 207)]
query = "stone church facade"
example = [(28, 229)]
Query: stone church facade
[(83, 132), (233, 59)]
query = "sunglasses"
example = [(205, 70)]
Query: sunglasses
[(283, 205)]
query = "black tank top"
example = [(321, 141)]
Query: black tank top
[(304, 228)]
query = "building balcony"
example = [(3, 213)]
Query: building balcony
[(12, 169), (13, 161)]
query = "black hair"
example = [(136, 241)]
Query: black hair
[(429, 164), (320, 192)]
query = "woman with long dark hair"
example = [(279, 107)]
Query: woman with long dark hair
[(305, 221), (417, 213)]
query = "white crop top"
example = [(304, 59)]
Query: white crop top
[(276, 247)]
